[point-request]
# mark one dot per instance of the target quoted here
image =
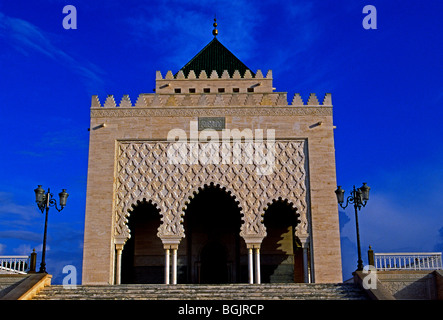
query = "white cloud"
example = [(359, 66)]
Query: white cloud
[(180, 28), (29, 39), (54, 142), (21, 235), (23, 250), (9, 209)]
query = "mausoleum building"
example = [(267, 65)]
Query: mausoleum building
[(213, 178)]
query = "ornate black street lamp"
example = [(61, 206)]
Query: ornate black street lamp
[(44, 201), (359, 197)]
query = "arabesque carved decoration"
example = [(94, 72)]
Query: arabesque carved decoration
[(143, 172)]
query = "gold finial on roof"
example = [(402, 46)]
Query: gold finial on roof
[(215, 31)]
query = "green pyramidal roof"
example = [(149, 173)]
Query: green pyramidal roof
[(216, 57)]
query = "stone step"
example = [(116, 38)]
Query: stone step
[(9, 282), (203, 292)]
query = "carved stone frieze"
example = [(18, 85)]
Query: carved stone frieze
[(209, 111)]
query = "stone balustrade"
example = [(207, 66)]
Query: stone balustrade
[(14, 264), (408, 261)]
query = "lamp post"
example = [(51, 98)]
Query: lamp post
[(359, 197), (44, 201)]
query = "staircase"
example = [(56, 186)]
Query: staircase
[(9, 282), (294, 291)]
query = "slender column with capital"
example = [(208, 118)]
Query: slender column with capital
[(257, 266), (305, 265), (118, 267), (171, 246), (250, 266), (304, 239), (174, 266), (167, 258)]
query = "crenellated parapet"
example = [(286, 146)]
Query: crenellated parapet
[(312, 100), (211, 100), (209, 81), (211, 94), (212, 75)]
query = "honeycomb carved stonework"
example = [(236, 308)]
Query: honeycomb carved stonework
[(144, 171)]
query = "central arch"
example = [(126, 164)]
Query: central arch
[(212, 248)]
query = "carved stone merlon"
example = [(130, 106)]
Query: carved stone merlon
[(95, 102), (170, 104), (327, 101), (125, 102), (110, 102), (297, 100), (312, 100)]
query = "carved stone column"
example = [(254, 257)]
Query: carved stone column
[(174, 265), (170, 243), (118, 266), (305, 245), (251, 265), (167, 268), (254, 268), (257, 265)]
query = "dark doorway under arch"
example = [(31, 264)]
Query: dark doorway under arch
[(143, 254), (214, 263), (212, 246), (281, 252)]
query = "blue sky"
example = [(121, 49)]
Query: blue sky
[(386, 85)]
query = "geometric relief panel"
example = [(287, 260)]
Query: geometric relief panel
[(144, 170)]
